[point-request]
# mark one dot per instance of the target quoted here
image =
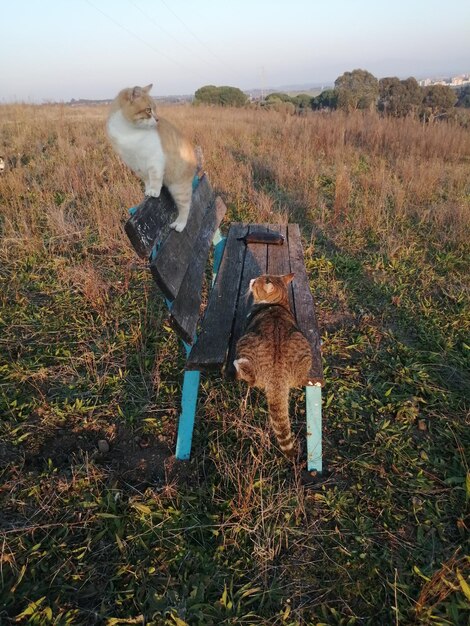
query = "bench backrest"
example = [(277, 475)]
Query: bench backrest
[(178, 260)]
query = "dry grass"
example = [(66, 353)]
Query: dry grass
[(340, 172), (86, 354)]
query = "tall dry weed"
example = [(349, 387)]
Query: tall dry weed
[(333, 170), (61, 178)]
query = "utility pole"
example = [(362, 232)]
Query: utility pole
[(263, 82)]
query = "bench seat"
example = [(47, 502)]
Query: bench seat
[(228, 305)]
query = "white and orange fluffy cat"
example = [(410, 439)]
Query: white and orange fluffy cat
[(153, 148)]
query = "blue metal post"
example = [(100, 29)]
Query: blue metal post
[(188, 413), (314, 428)]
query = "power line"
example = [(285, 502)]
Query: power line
[(168, 33), (223, 63), (130, 32)]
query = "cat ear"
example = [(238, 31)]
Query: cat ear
[(147, 88), (136, 92), (268, 287), (244, 370), (287, 278)]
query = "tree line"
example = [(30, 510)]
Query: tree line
[(360, 89), (355, 90)]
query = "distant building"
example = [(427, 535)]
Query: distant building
[(454, 81)]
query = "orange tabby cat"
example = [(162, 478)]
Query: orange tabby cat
[(273, 354), (153, 148)]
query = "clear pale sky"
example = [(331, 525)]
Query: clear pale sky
[(63, 49)]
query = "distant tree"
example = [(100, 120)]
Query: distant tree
[(222, 96), (232, 96), (272, 98), (463, 97), (358, 89), (302, 101), (278, 96), (328, 99), (389, 88), (288, 108), (437, 101), (399, 97), (413, 95), (209, 94)]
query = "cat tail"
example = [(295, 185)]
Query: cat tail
[(199, 158), (278, 407)]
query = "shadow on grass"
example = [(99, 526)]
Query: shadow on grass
[(447, 366)]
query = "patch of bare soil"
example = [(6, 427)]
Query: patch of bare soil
[(332, 321), (134, 459)]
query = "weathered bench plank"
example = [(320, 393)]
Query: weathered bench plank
[(256, 262), (185, 310), (169, 265), (303, 303), (149, 221), (211, 348), (278, 259)]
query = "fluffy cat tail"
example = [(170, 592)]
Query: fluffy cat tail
[(199, 158), (278, 406)]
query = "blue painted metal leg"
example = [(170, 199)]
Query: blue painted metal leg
[(186, 421), (314, 428), (219, 246), (192, 378)]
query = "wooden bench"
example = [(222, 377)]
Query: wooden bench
[(178, 263)]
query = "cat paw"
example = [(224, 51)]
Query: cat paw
[(152, 192), (178, 226)]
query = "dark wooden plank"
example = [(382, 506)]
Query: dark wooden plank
[(171, 262), (278, 258), (303, 303), (186, 306), (255, 264), (211, 346), (149, 221)]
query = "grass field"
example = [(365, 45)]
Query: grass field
[(126, 536)]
